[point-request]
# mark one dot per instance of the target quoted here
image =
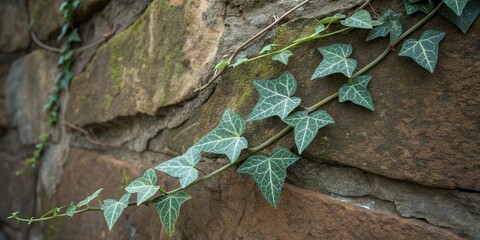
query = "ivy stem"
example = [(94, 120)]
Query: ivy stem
[(316, 106), (30, 220), (300, 41)]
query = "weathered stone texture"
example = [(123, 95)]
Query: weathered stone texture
[(220, 211), (28, 84), (14, 34), (163, 63), (84, 173)]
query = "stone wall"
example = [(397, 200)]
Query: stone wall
[(409, 170)]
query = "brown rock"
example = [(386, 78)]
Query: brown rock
[(425, 128), (14, 34), (155, 70), (232, 208), (84, 173), (28, 84), (45, 17)]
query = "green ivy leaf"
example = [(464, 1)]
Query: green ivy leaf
[(183, 166), (469, 14), (335, 60), (275, 97), (456, 5), (239, 61), (64, 30), (145, 186), (67, 78), (112, 209), (168, 209), (360, 19), (269, 172), (332, 19), (267, 48), (221, 64), (74, 36), (71, 210), (419, 7), (282, 56), (319, 28), (88, 199), (391, 25), (425, 50), (306, 126), (357, 92), (226, 138)]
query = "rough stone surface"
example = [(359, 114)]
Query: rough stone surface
[(85, 172), (28, 85), (159, 68), (45, 18), (450, 209), (14, 34), (220, 211)]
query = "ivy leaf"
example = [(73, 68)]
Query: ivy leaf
[(360, 19), (267, 48), (63, 31), (319, 28), (239, 61), (456, 5), (168, 209), (425, 50), (282, 56), (144, 186), (306, 126), (71, 210), (182, 167), (332, 19), (275, 97), (226, 138), (391, 25), (419, 7), (269, 172), (469, 14), (88, 199), (112, 209), (74, 36), (357, 92), (335, 60), (221, 64)]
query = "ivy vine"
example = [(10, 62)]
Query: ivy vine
[(69, 35), (276, 98)]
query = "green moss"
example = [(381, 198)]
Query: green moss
[(150, 49), (108, 102), (289, 32)]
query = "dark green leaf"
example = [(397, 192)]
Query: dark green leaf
[(275, 97), (469, 14), (391, 25), (418, 7), (360, 19), (357, 92), (182, 167), (456, 5), (306, 126), (335, 60), (145, 186), (425, 50), (112, 209), (282, 56), (269, 172), (226, 138), (168, 209), (63, 31), (74, 37)]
